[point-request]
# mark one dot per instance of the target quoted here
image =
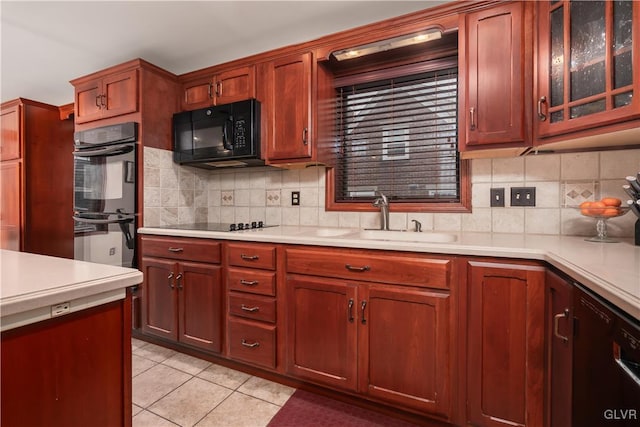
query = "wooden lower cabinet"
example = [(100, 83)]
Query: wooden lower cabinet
[(322, 330), (505, 344), (182, 290), (183, 302), (559, 336), (388, 342), (71, 370)]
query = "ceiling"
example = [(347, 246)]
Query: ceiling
[(45, 44)]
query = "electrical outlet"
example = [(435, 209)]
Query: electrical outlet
[(523, 196), (60, 309), (295, 198), (497, 197)]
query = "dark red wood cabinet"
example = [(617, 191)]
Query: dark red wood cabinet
[(377, 338), (222, 88), (181, 298), (587, 68), (37, 179), (71, 371), (252, 318), (106, 96), (505, 344), (559, 353), (497, 80)]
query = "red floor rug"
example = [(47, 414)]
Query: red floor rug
[(306, 409)]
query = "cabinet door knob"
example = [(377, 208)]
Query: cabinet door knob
[(305, 134), (541, 116), (350, 311), (98, 104), (169, 277), (250, 345), (178, 280)]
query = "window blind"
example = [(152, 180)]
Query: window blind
[(399, 136)]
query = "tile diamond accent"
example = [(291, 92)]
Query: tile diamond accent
[(576, 192)]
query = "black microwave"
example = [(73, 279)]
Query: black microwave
[(218, 136)]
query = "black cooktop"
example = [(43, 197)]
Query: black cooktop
[(220, 226)]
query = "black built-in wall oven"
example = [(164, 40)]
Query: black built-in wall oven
[(105, 212)]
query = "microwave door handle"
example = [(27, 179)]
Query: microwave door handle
[(225, 135), (111, 150)]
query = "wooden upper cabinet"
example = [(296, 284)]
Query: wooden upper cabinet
[(588, 69), (106, 96), (292, 134), (36, 186), (10, 215), (497, 72), (223, 88), (10, 144)]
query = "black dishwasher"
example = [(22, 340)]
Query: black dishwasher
[(606, 364)]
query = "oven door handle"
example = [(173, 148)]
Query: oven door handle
[(123, 219), (111, 150)]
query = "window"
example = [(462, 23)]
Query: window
[(398, 135)]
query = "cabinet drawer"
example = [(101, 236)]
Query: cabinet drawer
[(371, 266), (253, 281), (252, 306), (252, 342), (180, 248), (252, 255)]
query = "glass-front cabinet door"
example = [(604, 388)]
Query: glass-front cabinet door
[(588, 64)]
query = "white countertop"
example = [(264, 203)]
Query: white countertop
[(30, 285), (612, 270)]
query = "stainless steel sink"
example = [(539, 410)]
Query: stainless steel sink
[(406, 236)]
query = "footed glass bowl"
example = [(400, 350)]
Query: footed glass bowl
[(602, 215)]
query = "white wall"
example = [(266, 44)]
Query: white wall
[(177, 194)]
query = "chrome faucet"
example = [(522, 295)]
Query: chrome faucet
[(383, 203)]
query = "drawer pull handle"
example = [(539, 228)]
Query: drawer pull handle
[(556, 324), (176, 250), (250, 345), (248, 282), (360, 269), (249, 309), (350, 312), (249, 257)]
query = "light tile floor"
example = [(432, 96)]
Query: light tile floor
[(174, 389)]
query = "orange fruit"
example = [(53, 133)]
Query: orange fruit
[(596, 208), (610, 211), (611, 201), (584, 208)]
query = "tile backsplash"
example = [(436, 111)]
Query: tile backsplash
[(179, 194)]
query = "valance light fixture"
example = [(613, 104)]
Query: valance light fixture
[(388, 44)]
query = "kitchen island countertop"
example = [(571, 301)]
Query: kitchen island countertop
[(612, 270), (37, 287)]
